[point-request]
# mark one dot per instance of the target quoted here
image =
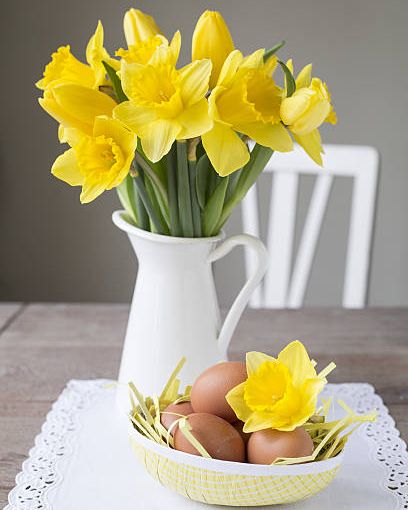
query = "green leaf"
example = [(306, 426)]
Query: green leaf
[(116, 84), (273, 50), (213, 209), (202, 170), (290, 80)]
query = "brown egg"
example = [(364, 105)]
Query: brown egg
[(209, 390), (217, 436), (267, 445), (239, 425), (183, 408)]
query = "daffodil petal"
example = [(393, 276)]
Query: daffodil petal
[(195, 120), (225, 149), (95, 52), (71, 136), (258, 421), (128, 75), (254, 360), (254, 60), (64, 117), (135, 117), (175, 46), (304, 78), (166, 53), (312, 145), (271, 64), (275, 136), (235, 399), (113, 128), (83, 103), (90, 191), (230, 68), (292, 108), (194, 79), (66, 168), (296, 358), (159, 137)]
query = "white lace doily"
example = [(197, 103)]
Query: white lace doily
[(81, 450)]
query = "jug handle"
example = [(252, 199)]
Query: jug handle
[(242, 299)]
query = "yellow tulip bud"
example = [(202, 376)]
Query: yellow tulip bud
[(307, 108), (212, 39), (138, 27)]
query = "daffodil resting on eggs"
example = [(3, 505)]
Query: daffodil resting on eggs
[(175, 140)]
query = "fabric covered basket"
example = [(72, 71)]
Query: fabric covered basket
[(232, 483)]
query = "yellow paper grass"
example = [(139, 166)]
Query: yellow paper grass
[(329, 437)]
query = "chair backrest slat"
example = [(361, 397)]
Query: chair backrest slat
[(284, 287), (360, 233), (281, 232)]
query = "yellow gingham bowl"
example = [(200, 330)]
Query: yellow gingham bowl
[(232, 483)]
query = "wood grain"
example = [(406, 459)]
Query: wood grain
[(42, 346)]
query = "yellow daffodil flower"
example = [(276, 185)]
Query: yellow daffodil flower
[(279, 393), (212, 39), (306, 110), (138, 27), (65, 68), (245, 100), (164, 104), (98, 162), (154, 50), (76, 106)]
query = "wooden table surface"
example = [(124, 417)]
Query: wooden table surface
[(42, 346)]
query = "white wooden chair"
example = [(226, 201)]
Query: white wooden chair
[(282, 286)]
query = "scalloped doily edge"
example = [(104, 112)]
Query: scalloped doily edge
[(40, 471)]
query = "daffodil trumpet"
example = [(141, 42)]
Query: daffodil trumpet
[(193, 160)]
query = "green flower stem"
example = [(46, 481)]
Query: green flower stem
[(127, 197), (142, 216), (213, 208), (259, 158), (195, 206), (161, 198), (141, 188), (202, 176), (171, 163), (184, 198), (153, 195)]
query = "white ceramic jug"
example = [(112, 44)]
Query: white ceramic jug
[(174, 311)]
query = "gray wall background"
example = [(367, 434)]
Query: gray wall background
[(54, 249)]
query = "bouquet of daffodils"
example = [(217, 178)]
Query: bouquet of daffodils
[(182, 145)]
